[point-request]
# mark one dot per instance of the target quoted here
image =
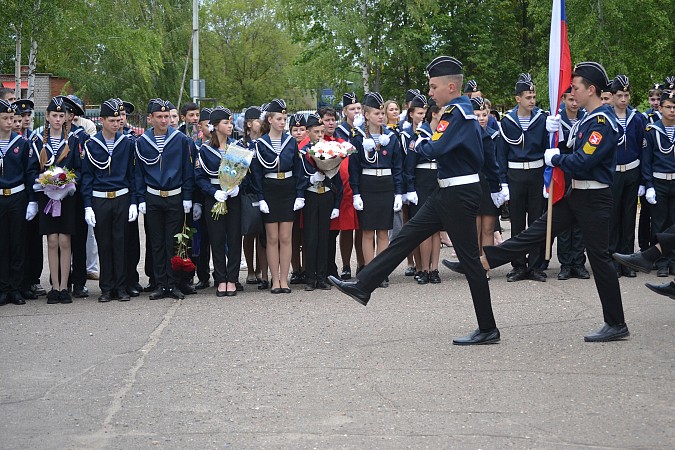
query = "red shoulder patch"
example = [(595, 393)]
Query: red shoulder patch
[(442, 126), (595, 138)]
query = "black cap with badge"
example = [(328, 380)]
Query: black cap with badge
[(349, 98), (410, 94), (23, 106), (373, 100), (205, 114), (524, 83), (297, 120), (159, 105), (219, 113), (669, 83), (314, 120), (667, 95), (444, 65), (594, 73), (620, 83), (419, 101), (111, 108), (56, 104), (5, 106), (478, 104), (277, 106), (471, 86), (253, 113)]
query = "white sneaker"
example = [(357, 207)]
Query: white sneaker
[(242, 265)]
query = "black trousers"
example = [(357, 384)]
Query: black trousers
[(622, 221), (526, 205), (78, 274), (225, 238), (666, 239), (663, 216), (148, 266), (165, 218), (645, 225), (13, 220), (315, 233), (571, 247), (132, 252), (203, 258), (331, 264), (591, 210), (34, 259), (112, 217), (454, 210)]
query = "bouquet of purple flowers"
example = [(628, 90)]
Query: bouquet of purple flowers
[(57, 183)]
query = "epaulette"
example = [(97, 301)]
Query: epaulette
[(649, 127), (449, 109), (601, 119)]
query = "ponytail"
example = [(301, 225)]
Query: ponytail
[(43, 152)]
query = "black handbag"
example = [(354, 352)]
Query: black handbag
[(251, 217)]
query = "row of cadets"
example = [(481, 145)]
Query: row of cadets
[(658, 171), (322, 204), (164, 184), (570, 242), (279, 182), (297, 127), (375, 176), (592, 165), (109, 202), (472, 90), (257, 267), (58, 146), (456, 145), (224, 232), (520, 151), (628, 183), (353, 118), (346, 225), (18, 170)]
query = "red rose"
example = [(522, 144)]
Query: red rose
[(188, 265), (62, 176), (177, 264)]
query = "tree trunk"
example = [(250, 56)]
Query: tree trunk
[(363, 62), (17, 65), (32, 56)]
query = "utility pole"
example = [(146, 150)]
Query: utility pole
[(195, 50)]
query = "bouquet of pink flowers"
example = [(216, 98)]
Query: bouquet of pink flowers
[(328, 155), (56, 183)]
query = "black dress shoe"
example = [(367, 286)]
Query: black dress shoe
[(64, 296), (3, 298), (123, 295), (628, 272), (220, 293), (186, 289), (359, 269), (310, 285), (28, 294), (137, 286), (409, 272), (133, 292), (276, 291), (662, 272), (105, 297), (297, 278), (230, 293), (16, 298), (455, 266), (263, 285), (538, 275), (565, 273), (346, 273), (351, 289), (667, 289), (478, 337), (202, 285), (434, 277), (608, 333), (252, 280), (150, 288), (175, 293), (580, 272), (285, 290), (322, 284), (636, 261), (671, 271), (423, 278), (38, 289), (157, 294), (238, 286), (80, 292), (385, 283), (517, 274), (53, 297)]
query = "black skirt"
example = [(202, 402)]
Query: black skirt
[(65, 223), (487, 206), (280, 197), (426, 182), (377, 194)]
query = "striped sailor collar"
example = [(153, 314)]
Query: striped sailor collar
[(534, 115), (100, 140), (149, 136), (267, 141), (13, 137)]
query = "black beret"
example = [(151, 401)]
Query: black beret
[(277, 106), (170, 105), (444, 65), (159, 105), (667, 95), (253, 113), (410, 94), (620, 83), (471, 86), (669, 83), (524, 83), (349, 98), (656, 87), (594, 73), (128, 107), (314, 120), (5, 106), (111, 108), (568, 90), (219, 113), (478, 104), (297, 120), (71, 106), (23, 106), (419, 101), (205, 114), (373, 100)]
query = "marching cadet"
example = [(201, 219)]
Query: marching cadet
[(322, 204), (570, 242), (202, 237), (523, 140), (456, 146), (592, 165), (164, 182), (225, 231), (375, 176), (279, 182), (654, 96), (627, 179), (57, 146), (18, 170), (108, 194), (297, 126), (351, 111), (658, 171), (25, 110)]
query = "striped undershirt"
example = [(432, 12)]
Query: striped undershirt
[(670, 131), (110, 144), (376, 138), (622, 121), (524, 122), (573, 121), (159, 139), (54, 142), (276, 145), (3, 146)]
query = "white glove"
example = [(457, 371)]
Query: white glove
[(187, 205), (398, 202), (334, 213), (31, 210), (553, 123), (412, 197), (641, 191), (505, 192), (233, 192), (384, 139), (220, 196), (197, 212), (316, 177), (89, 216), (359, 120), (299, 204), (262, 204), (651, 196), (133, 213), (497, 198), (358, 203), (368, 144), (545, 192), (549, 154), (142, 208)]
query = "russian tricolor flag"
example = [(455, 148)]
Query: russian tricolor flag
[(559, 79)]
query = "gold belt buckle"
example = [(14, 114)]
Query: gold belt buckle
[(281, 176), (321, 190), (6, 192), (111, 194), (164, 194)]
